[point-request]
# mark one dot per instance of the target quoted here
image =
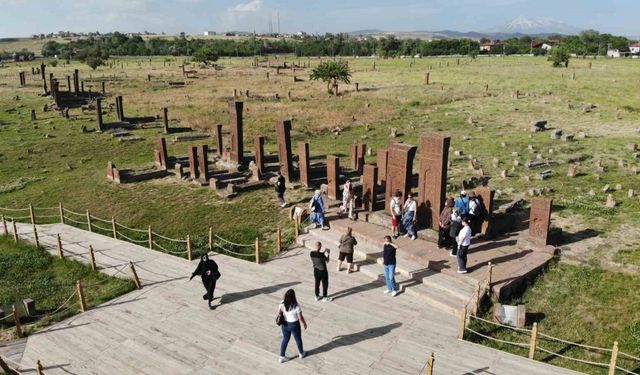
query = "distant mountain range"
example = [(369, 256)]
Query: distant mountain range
[(519, 26)]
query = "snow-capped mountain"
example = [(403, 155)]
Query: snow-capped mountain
[(540, 25)]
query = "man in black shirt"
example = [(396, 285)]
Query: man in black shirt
[(319, 259), (280, 189), (389, 257)]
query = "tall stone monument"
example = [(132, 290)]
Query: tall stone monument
[(303, 163), (285, 159), (399, 170), (539, 220), (432, 186), (333, 176), (237, 146)]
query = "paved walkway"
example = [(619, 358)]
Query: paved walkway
[(166, 327)]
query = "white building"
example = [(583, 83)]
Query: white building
[(208, 33), (611, 52), (546, 46), (634, 48)]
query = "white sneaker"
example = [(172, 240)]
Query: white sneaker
[(462, 271), (406, 235), (317, 298), (283, 359), (387, 291), (394, 293), (302, 355), (413, 238), (337, 269), (283, 205), (327, 299), (451, 254)]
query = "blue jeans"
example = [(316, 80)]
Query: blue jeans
[(407, 223), (317, 217), (389, 276), (288, 329)]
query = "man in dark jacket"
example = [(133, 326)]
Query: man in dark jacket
[(280, 189), (319, 259), (208, 270)]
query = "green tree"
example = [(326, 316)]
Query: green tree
[(332, 72), (205, 55), (559, 56), (94, 62)]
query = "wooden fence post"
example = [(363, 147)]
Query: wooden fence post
[(296, 226), (189, 249), (16, 319), (489, 277), (4, 367), (92, 258), (81, 299), (257, 250), (463, 323), (35, 235), (60, 253), (210, 239), (150, 232), (113, 227), (4, 225), (614, 359), (430, 363), (134, 274), (476, 305), (279, 241), (89, 221), (534, 341), (15, 231), (61, 209), (39, 368), (32, 215)]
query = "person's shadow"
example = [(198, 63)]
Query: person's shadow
[(238, 296), (354, 338)]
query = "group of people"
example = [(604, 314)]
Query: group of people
[(403, 216)]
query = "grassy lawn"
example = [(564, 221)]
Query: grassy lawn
[(30, 272), (580, 304)]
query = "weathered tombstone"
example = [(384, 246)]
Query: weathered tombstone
[(258, 145), (203, 162), (82, 86), (399, 169), (219, 145), (369, 186), (103, 89), (303, 163), (357, 87), (193, 162), (99, 113), (237, 145), (361, 152), (382, 158), (161, 147), (333, 172), (165, 116), (283, 134), (33, 115), (539, 220), (179, 170), (120, 108), (76, 82), (42, 72), (434, 156), (69, 83), (426, 78), (572, 171), (487, 195)]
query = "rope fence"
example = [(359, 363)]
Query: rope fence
[(613, 355)]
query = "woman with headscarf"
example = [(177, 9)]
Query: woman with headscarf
[(445, 221), (316, 205), (208, 270), (348, 199)]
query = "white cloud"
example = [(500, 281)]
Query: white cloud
[(251, 6)]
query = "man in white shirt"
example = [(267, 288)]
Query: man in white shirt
[(464, 240)]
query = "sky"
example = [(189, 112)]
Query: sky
[(27, 17)]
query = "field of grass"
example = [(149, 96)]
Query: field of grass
[(581, 304), (30, 272)]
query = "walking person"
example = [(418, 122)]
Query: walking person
[(464, 240), (291, 318), (389, 258), (208, 270), (348, 199), (462, 203), (316, 205), (409, 217), (454, 229), (280, 189), (347, 242), (444, 224), (395, 208), (320, 259)]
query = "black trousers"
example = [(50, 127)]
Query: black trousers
[(210, 286), (462, 257), (321, 276), (443, 238)]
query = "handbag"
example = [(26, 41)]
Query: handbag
[(217, 274), (280, 318)]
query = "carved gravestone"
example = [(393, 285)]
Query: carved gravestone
[(258, 145), (203, 162), (76, 82), (237, 146), (354, 156), (539, 220), (382, 155), (165, 116), (219, 145), (99, 113), (361, 152), (487, 195), (399, 169), (434, 156), (161, 153), (369, 187), (333, 172), (193, 162), (303, 163), (283, 134)]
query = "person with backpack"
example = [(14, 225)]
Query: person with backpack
[(395, 208), (320, 259), (476, 213), (289, 318), (462, 204), (409, 218), (444, 240), (280, 189), (316, 205), (389, 260), (208, 271), (347, 243)]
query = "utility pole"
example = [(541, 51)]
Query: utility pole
[(278, 14)]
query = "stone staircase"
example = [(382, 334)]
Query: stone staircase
[(443, 291)]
